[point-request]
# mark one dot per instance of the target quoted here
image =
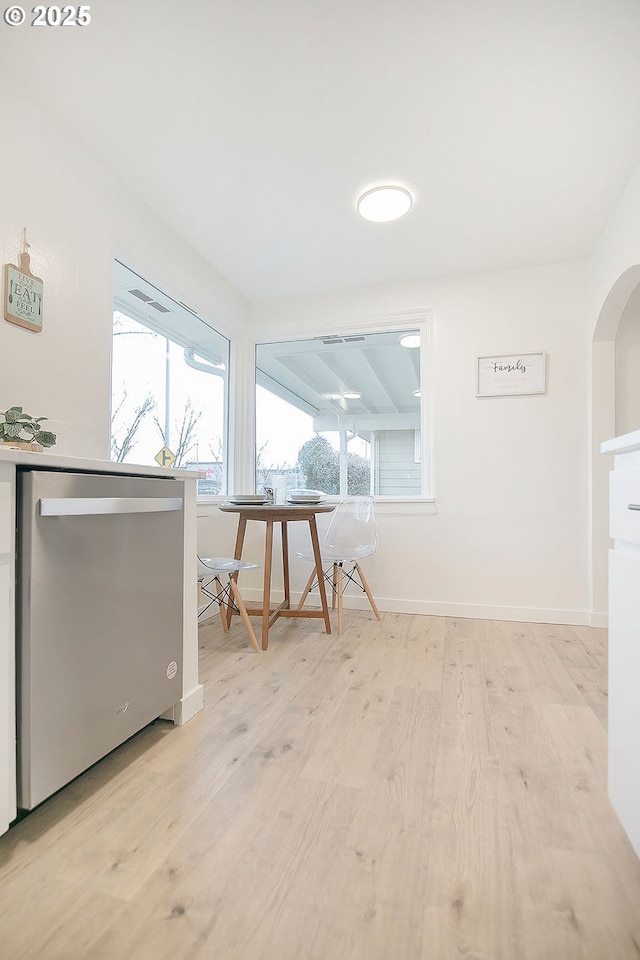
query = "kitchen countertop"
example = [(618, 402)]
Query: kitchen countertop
[(626, 443), (53, 461)]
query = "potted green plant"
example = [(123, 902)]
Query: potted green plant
[(19, 429)]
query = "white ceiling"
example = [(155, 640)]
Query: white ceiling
[(252, 125)]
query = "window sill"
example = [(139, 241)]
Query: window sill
[(405, 506)]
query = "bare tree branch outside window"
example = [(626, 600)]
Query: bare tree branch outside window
[(120, 448), (186, 430)]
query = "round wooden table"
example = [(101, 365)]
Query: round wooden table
[(282, 513)]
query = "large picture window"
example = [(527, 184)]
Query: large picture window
[(169, 383), (341, 414)]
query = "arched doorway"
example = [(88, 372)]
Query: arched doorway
[(613, 385)]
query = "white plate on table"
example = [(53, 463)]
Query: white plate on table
[(240, 499), (299, 498)]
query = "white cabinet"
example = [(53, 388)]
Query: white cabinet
[(624, 634), (624, 505), (624, 690)]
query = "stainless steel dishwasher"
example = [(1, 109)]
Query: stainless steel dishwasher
[(99, 618)]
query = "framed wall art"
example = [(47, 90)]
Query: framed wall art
[(511, 375), (23, 292)]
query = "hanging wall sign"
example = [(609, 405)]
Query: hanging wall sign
[(23, 292), (511, 375)]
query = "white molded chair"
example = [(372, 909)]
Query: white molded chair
[(351, 536), (226, 595)]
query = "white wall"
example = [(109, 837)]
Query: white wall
[(509, 535), (615, 254), (78, 219), (627, 351)]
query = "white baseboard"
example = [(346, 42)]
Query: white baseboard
[(433, 608), (186, 708), (485, 612), (599, 619)]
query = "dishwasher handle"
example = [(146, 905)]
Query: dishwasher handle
[(93, 506)]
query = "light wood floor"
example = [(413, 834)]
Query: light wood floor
[(417, 788)]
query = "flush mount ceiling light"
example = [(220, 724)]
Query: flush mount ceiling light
[(417, 393), (352, 395), (382, 204), (410, 341)]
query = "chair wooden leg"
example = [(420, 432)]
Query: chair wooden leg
[(222, 606), (315, 542), (339, 592), (368, 592), (237, 553), (307, 589), (243, 613), (335, 586)]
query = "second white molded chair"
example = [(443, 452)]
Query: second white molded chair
[(211, 570), (351, 536)]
